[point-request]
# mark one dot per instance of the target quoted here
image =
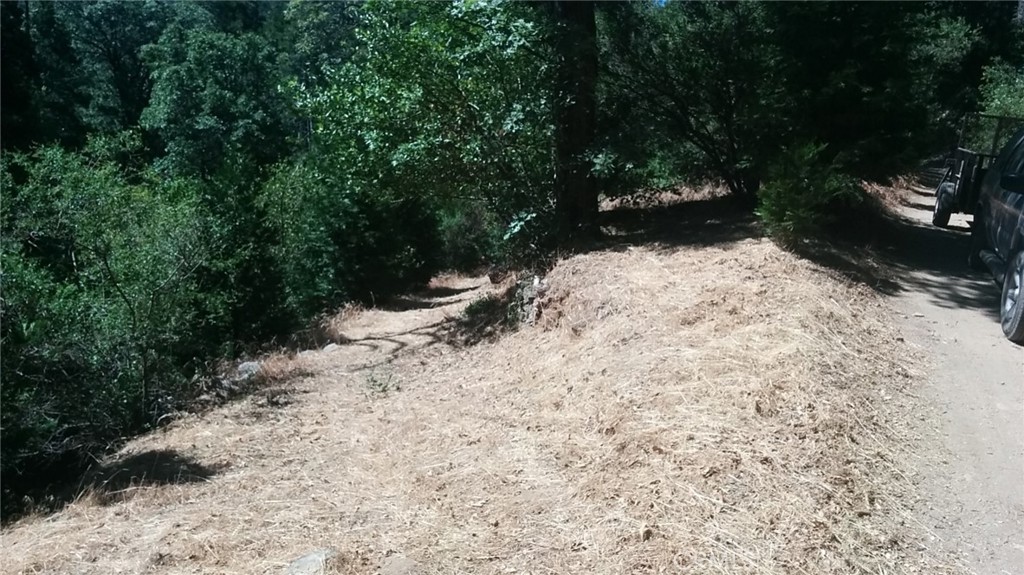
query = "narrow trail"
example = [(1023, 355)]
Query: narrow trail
[(973, 490)]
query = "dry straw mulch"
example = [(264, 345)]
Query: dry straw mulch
[(729, 409)]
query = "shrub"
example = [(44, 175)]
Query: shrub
[(803, 194), (469, 237), (102, 306), (340, 240)]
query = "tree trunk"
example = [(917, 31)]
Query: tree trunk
[(575, 119)]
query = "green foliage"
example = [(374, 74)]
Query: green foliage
[(381, 382), (339, 241), (322, 37), (107, 37), (441, 101), (1002, 90), (101, 300), (803, 194), (202, 114), (711, 91), (469, 236), (703, 74)]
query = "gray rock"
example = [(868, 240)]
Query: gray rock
[(248, 370), (530, 292), (312, 563), (399, 565), (331, 347)]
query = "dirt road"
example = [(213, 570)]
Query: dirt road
[(973, 490)]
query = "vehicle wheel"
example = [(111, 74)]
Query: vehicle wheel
[(1011, 309), (978, 242), (943, 204)]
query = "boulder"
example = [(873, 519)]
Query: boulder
[(247, 370)]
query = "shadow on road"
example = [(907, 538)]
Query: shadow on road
[(933, 261)]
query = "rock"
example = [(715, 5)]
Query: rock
[(331, 347), (312, 563), (247, 370), (399, 565), (529, 295)]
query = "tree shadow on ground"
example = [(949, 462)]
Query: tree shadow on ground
[(933, 261), (105, 482), (430, 297), (390, 345), (725, 220), (887, 253), (486, 319), (693, 223), (114, 480)]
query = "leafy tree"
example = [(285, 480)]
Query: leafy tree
[(202, 112), (108, 37), (18, 70), (1002, 90), (575, 116), (707, 73), (864, 77), (60, 88), (446, 101), (322, 37), (101, 301)]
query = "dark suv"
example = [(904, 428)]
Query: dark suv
[(997, 234)]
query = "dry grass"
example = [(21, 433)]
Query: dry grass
[(888, 195), (664, 198), (729, 409)]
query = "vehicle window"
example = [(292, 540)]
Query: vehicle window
[(1015, 165)]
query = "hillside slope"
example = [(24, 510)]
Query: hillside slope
[(722, 409)]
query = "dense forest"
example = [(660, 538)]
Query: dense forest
[(188, 182)]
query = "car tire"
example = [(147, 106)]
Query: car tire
[(978, 242), (1011, 304), (943, 204)]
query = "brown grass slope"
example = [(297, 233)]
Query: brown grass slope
[(726, 409)]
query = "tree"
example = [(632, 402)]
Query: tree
[(18, 69), (322, 37), (575, 118), (108, 37), (102, 309), (451, 102), (703, 74), (59, 91), (202, 114)]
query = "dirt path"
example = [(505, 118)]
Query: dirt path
[(973, 491)]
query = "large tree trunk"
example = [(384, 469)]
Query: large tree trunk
[(575, 119)]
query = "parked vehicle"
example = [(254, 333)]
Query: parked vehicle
[(997, 233), (977, 147)]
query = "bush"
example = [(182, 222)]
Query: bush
[(803, 194), (469, 237), (341, 241), (102, 309), (1001, 90)]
